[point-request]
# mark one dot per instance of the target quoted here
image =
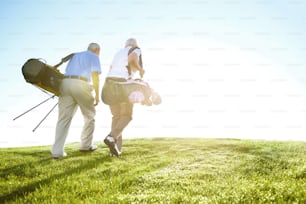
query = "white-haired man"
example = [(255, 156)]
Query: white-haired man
[(75, 91), (125, 64)]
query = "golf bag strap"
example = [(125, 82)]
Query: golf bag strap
[(140, 60), (65, 59)]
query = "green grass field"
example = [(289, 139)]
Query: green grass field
[(161, 170)]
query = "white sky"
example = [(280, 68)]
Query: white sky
[(225, 69)]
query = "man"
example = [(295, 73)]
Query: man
[(76, 92), (123, 67)]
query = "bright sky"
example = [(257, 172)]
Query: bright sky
[(224, 68)]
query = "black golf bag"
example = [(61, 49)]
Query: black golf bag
[(44, 76), (47, 78)]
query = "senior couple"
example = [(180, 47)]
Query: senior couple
[(76, 91)]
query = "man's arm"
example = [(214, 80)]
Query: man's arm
[(134, 64), (96, 84)]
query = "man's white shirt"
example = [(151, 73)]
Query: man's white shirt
[(120, 62)]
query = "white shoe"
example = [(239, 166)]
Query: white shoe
[(90, 149), (57, 156)]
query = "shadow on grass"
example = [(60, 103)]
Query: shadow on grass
[(18, 170), (22, 162)]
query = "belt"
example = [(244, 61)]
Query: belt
[(77, 77), (115, 79)]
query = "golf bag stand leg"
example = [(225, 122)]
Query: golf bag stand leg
[(34, 107), (45, 117)]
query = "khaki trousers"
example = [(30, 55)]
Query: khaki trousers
[(74, 93), (122, 116)]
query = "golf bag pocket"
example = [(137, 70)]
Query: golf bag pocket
[(42, 75), (128, 92)]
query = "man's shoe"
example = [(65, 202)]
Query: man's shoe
[(91, 149), (119, 148), (110, 142), (112, 155), (56, 156)]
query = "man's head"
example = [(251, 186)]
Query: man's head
[(94, 47), (131, 42)]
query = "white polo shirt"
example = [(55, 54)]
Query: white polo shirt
[(120, 61)]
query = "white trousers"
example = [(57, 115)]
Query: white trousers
[(74, 93)]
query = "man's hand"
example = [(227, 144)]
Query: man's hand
[(96, 101), (141, 72), (95, 80)]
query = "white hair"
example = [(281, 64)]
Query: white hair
[(131, 42), (93, 46)]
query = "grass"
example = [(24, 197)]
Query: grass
[(160, 170)]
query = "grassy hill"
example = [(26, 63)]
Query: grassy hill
[(160, 170)]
